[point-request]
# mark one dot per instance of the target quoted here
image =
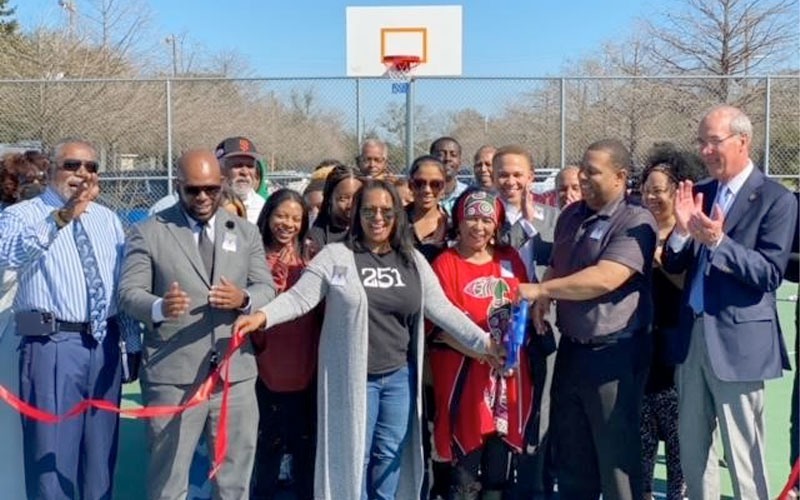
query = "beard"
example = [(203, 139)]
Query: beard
[(242, 187)]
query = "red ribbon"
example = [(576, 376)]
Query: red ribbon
[(201, 395), (794, 477)]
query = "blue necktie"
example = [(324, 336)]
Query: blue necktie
[(95, 290), (696, 299)]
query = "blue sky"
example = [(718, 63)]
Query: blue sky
[(307, 38)]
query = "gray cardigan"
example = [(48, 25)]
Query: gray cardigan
[(342, 372)]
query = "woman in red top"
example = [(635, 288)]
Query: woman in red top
[(481, 414), (287, 360)]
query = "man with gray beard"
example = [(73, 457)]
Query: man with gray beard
[(238, 157)]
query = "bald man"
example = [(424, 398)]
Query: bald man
[(188, 272), (568, 186)]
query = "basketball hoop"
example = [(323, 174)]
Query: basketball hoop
[(398, 68)]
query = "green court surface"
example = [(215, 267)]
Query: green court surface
[(131, 467)]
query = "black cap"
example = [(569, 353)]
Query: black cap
[(236, 146)]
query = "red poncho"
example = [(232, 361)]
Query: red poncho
[(472, 400)]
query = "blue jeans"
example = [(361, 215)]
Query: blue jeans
[(390, 398)]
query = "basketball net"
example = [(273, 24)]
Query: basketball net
[(398, 68)]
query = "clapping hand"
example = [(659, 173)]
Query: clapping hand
[(226, 295), (686, 204), (248, 323), (175, 302), (708, 231), (528, 204), (690, 219)]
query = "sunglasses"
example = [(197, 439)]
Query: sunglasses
[(372, 212), (75, 165), (196, 190), (435, 185)]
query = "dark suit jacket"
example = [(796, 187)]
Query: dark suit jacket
[(741, 325), (162, 250)]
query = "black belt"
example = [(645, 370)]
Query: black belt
[(69, 326), (600, 339)]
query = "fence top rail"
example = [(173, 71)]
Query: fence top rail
[(349, 78)]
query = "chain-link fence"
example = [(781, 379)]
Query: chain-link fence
[(142, 126)]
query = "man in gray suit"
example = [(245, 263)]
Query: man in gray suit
[(189, 271), (732, 237), (529, 228)]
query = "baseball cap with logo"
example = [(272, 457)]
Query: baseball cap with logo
[(236, 146)]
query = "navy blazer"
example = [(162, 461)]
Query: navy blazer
[(742, 331)]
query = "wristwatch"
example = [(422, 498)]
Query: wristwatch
[(59, 219)]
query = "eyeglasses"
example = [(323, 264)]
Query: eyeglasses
[(714, 142), (371, 159), (656, 191), (372, 212), (436, 185), (212, 190), (75, 165)]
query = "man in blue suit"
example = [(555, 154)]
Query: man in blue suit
[(732, 237)]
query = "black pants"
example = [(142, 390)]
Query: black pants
[(287, 424), (486, 468), (535, 474), (794, 425), (597, 394), (437, 474)]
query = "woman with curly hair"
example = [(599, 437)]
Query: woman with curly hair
[(666, 167), (22, 176)]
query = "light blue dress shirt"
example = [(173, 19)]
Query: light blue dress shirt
[(49, 268)]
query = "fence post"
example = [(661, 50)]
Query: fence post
[(359, 130), (563, 124), (767, 114), (409, 123), (169, 135)]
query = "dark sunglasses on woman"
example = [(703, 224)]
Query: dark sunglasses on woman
[(436, 185)]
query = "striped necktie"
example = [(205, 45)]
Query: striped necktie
[(95, 290)]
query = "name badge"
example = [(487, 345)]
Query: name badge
[(339, 276), (599, 230), (229, 242), (505, 269)]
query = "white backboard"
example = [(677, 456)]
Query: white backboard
[(432, 33)]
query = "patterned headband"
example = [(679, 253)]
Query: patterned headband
[(480, 204)]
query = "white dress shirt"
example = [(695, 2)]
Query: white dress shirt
[(513, 214)]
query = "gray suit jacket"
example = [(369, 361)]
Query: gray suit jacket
[(544, 222), (161, 250)]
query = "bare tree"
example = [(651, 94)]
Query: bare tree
[(725, 37)]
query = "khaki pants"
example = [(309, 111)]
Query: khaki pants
[(738, 408)]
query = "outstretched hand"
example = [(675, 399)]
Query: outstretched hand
[(176, 302), (248, 323), (226, 295), (529, 291), (495, 354)]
